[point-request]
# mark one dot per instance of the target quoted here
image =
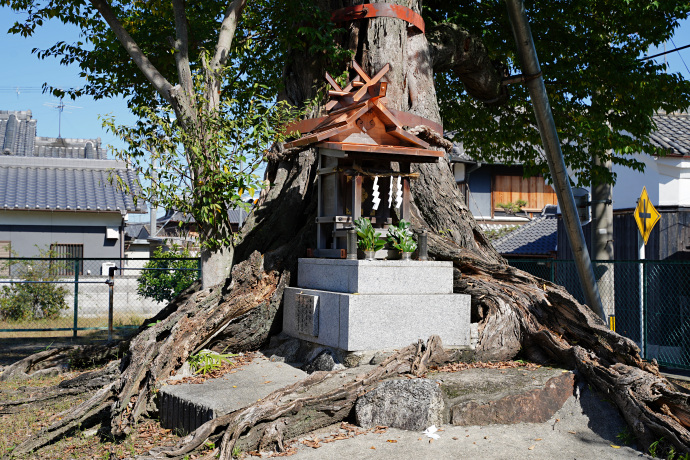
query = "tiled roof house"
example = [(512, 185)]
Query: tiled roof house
[(535, 239), (57, 193)]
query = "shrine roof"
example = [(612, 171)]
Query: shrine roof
[(358, 120)]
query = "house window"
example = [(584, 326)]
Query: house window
[(5, 253), (533, 190), (68, 251)]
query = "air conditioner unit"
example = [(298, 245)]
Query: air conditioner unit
[(105, 268)]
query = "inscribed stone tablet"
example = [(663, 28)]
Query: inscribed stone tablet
[(307, 314)]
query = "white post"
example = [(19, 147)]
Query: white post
[(641, 257)]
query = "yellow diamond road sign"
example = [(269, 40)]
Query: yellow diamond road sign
[(646, 215)]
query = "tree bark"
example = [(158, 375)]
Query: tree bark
[(514, 310)]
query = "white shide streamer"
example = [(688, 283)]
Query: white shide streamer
[(375, 194), (398, 194)]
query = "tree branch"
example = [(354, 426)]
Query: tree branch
[(227, 33), (454, 50), (181, 46), (147, 68)]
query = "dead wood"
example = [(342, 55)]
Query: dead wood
[(46, 362)]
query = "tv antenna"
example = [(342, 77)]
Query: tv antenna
[(61, 106)]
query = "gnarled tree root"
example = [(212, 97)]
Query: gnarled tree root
[(517, 310)]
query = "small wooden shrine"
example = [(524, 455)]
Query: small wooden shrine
[(358, 140)]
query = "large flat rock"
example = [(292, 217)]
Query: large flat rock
[(184, 407), (504, 396)]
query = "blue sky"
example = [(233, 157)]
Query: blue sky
[(25, 71), (22, 75)]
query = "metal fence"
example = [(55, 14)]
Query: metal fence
[(647, 301), (88, 294)]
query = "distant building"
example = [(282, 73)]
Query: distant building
[(485, 186), (56, 193)]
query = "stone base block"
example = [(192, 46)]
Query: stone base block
[(376, 276), (354, 322)]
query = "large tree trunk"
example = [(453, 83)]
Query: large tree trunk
[(515, 310)]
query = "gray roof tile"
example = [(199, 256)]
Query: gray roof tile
[(672, 132), (534, 238), (57, 184)]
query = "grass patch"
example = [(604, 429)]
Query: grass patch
[(119, 320)]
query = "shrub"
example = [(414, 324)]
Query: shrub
[(35, 296), (167, 280)]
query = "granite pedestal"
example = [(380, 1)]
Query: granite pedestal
[(356, 305)]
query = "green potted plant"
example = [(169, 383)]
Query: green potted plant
[(367, 239), (400, 237)]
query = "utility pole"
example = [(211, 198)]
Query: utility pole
[(554, 157), (602, 236), (153, 211)]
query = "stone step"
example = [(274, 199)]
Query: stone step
[(184, 407)]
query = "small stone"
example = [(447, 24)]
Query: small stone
[(406, 404), (90, 433), (324, 361), (286, 352), (377, 359)]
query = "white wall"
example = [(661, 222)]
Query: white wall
[(629, 183), (667, 180), (675, 188)]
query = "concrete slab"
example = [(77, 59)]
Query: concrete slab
[(185, 407)]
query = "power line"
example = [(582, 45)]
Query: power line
[(681, 58), (665, 52)]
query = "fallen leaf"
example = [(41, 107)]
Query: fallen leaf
[(392, 440), (615, 447), (532, 447), (538, 439), (314, 444), (372, 447), (572, 432)]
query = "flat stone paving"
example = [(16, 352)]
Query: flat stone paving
[(187, 406)]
